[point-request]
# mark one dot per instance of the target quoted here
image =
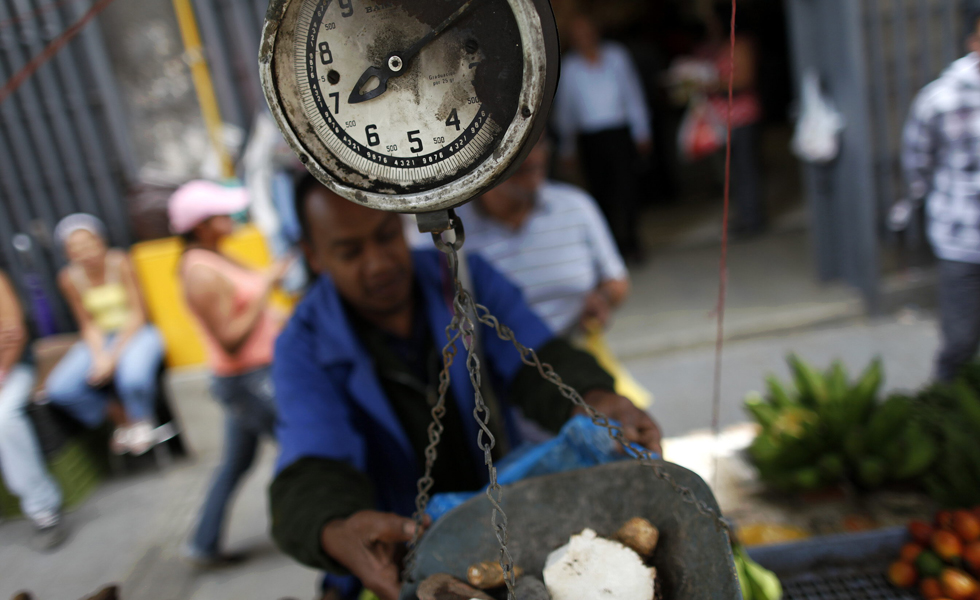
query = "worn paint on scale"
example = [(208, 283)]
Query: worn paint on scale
[(392, 102)]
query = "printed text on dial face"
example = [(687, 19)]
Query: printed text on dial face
[(430, 123)]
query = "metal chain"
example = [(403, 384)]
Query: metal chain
[(530, 358), (435, 430), (462, 326)]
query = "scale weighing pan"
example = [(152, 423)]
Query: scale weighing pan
[(693, 557)]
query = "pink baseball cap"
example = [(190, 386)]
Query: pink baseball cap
[(199, 200)]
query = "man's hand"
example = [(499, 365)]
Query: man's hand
[(102, 369), (596, 311), (369, 543), (638, 427)]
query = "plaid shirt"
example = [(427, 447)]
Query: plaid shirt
[(941, 159)]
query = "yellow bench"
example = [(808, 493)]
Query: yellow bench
[(156, 267)]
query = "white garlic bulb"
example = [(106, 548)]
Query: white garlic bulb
[(590, 567)]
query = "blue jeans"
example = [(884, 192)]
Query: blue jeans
[(21, 462), (250, 413), (959, 317), (135, 380)]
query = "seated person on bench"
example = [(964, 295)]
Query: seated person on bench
[(118, 345), (21, 460), (356, 372)]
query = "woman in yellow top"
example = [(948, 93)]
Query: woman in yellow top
[(118, 345)]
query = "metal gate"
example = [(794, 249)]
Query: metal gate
[(872, 56), (64, 144), (908, 44), (231, 30)]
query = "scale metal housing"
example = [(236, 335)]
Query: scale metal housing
[(281, 84)]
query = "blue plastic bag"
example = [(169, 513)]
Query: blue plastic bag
[(580, 444)]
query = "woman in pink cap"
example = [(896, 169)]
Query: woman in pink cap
[(230, 303)]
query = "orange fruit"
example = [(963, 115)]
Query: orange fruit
[(921, 532), (944, 520), (930, 589), (902, 574), (971, 556), (966, 525), (910, 552), (947, 545), (957, 585)]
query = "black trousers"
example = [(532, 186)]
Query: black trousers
[(746, 184), (609, 159), (959, 315)]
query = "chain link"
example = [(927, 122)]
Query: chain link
[(466, 315)]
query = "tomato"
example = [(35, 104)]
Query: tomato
[(921, 532), (947, 545), (971, 556), (966, 525), (902, 574), (930, 588), (957, 585), (910, 552)]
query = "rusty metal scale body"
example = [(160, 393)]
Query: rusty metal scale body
[(410, 106)]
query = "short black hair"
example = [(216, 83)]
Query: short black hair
[(305, 184)]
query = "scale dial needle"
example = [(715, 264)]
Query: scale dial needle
[(397, 62)]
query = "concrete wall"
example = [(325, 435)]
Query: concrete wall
[(147, 55)]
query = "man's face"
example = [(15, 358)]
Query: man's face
[(363, 251), (522, 187)]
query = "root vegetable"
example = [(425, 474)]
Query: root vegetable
[(488, 575), (446, 587), (593, 567), (639, 535)]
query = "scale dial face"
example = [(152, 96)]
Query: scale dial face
[(409, 105)]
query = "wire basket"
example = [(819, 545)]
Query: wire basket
[(839, 567)]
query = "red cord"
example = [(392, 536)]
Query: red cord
[(723, 270), (50, 50)]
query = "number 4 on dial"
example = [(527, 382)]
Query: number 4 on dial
[(453, 120)]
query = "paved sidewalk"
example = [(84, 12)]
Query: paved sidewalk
[(131, 530)]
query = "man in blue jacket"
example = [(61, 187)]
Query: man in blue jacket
[(356, 373)]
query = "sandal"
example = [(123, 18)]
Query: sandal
[(119, 444)]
